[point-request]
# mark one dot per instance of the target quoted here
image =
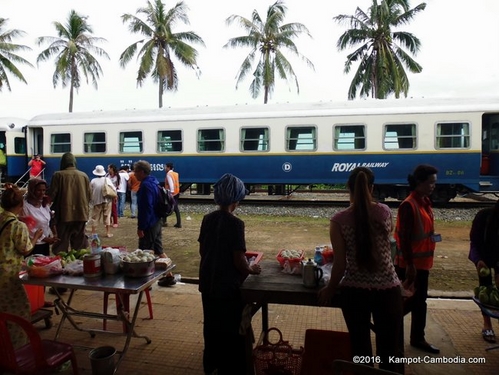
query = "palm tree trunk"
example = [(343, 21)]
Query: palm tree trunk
[(266, 95), (160, 92), (71, 95)]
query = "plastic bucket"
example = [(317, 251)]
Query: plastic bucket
[(92, 265), (102, 360)]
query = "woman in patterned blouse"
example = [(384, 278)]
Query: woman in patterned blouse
[(15, 243), (363, 271)]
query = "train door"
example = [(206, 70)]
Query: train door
[(35, 141), (490, 145), (3, 156)]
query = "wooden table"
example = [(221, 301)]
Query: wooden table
[(118, 284), (275, 286)]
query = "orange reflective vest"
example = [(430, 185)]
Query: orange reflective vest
[(176, 182), (422, 243)]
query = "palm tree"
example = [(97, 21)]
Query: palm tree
[(73, 48), (160, 44), (380, 50), (8, 55), (268, 39)]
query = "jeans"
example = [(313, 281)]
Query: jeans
[(121, 203), (133, 204), (385, 308)]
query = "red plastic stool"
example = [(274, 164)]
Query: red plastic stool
[(126, 302)]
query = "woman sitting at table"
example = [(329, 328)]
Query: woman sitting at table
[(364, 271), (222, 269), (15, 243)]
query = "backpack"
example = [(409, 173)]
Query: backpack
[(166, 202)]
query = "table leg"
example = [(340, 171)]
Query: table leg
[(265, 320), (130, 325), (61, 305)]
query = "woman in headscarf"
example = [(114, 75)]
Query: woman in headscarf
[(222, 270), (37, 207)]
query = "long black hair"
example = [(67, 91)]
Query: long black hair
[(360, 184)]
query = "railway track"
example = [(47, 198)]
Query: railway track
[(338, 199)]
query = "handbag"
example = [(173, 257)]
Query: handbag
[(108, 191)]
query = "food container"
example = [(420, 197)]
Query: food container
[(291, 260), (254, 257), (138, 269), (92, 265), (327, 254)]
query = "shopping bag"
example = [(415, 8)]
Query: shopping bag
[(277, 358)]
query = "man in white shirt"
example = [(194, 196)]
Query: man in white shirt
[(122, 188)]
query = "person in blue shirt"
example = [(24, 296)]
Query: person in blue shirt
[(148, 221)]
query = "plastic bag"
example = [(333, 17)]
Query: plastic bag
[(43, 266), (74, 268), (326, 271)]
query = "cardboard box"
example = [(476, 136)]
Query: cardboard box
[(36, 296)]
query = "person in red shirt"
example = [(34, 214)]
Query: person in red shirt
[(36, 164)]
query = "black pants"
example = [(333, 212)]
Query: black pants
[(152, 239), (417, 304), (224, 347), (177, 212), (385, 307)]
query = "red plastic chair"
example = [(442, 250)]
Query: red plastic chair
[(37, 356), (126, 307)]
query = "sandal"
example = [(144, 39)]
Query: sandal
[(489, 336), (167, 281)]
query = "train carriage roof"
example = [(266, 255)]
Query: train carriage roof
[(12, 123), (353, 107)]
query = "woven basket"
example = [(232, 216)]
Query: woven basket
[(277, 358)]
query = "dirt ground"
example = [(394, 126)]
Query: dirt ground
[(452, 271)]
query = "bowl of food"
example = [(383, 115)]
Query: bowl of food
[(139, 263), (291, 260)]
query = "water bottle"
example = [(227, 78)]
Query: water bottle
[(318, 256), (95, 244)]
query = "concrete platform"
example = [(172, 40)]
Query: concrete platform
[(177, 341)]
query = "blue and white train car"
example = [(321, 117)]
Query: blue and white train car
[(13, 162), (289, 144)]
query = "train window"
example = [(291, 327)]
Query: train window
[(131, 142), (302, 138), (349, 137), (254, 139), (169, 141), (19, 145), (60, 143), (94, 142), (211, 140), (400, 136), (453, 135)]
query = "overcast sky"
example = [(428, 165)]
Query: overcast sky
[(459, 54)]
